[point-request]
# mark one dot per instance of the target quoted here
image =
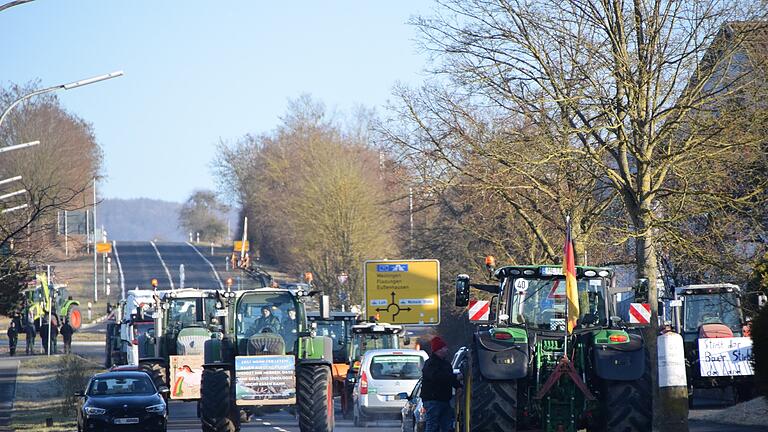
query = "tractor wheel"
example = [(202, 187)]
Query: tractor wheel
[(315, 398), (217, 411), (626, 405), (75, 318), (488, 405), (157, 370)]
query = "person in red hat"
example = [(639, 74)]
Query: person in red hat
[(437, 384)]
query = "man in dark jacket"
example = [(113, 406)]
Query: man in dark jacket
[(437, 384), (66, 333), (31, 333), (13, 337)]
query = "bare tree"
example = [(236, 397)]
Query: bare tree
[(203, 214), (56, 176), (315, 197), (653, 99)]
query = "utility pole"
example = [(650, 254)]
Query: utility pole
[(66, 235), (95, 259), (50, 307)]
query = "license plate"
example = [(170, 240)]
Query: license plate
[(130, 420)]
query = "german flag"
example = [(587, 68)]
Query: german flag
[(569, 270)]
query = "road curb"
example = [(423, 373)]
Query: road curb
[(94, 323), (6, 407)]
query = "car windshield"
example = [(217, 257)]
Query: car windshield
[(272, 313), (711, 309), (336, 330), (394, 367), (540, 303), (108, 386)]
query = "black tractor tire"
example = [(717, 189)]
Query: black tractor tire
[(217, 410), (627, 405), (315, 398), (487, 405), (157, 370)]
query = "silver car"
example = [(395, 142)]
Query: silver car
[(384, 374), (414, 415)]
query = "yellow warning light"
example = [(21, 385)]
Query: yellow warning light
[(154, 283), (229, 282)]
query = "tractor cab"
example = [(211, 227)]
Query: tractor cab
[(533, 297), (339, 329), (707, 310)]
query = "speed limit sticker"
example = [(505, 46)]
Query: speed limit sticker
[(521, 285)]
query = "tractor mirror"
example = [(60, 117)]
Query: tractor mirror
[(462, 290), (325, 307)]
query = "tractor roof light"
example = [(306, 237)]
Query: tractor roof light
[(490, 261), (590, 273), (528, 272), (514, 272), (603, 273)]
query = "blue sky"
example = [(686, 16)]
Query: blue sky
[(200, 71)]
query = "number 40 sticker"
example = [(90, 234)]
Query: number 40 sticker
[(521, 285)]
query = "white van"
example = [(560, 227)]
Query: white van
[(383, 374)]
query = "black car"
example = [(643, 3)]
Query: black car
[(121, 401)]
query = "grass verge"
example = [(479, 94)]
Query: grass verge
[(52, 380)]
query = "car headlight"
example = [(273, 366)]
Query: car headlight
[(94, 411), (159, 408)]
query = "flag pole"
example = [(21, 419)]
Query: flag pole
[(565, 274)]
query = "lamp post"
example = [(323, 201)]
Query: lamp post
[(67, 86)]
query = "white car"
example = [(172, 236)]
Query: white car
[(384, 374)]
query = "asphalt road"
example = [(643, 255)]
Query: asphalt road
[(183, 417), (141, 262)]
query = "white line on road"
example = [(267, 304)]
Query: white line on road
[(266, 423), (119, 270), (215, 273), (168, 273)]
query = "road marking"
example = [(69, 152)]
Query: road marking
[(266, 423), (119, 270), (215, 273), (168, 273)]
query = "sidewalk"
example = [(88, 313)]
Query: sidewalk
[(8, 370)]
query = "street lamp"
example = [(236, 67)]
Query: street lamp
[(67, 86)]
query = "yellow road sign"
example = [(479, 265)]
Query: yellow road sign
[(239, 246), (104, 248), (403, 292)]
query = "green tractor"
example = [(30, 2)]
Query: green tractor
[(524, 372), (267, 357), (38, 297), (185, 323)]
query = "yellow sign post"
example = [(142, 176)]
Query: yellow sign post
[(403, 292), (104, 248), (239, 246)]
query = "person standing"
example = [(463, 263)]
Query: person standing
[(29, 329), (44, 331), (437, 384), (54, 334), (13, 337), (66, 333)]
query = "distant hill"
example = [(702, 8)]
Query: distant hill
[(140, 219)]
